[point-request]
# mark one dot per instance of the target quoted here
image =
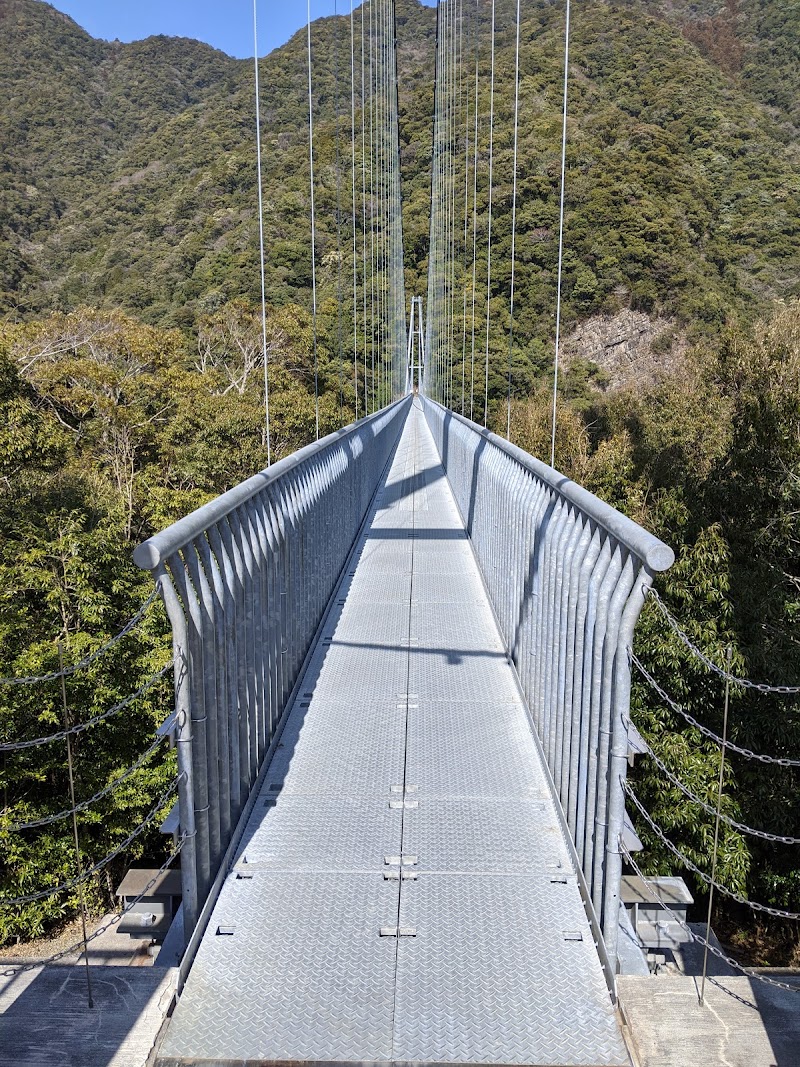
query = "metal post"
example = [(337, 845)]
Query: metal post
[(183, 749), (75, 823), (618, 765), (728, 658)]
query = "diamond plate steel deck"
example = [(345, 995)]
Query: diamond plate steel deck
[(491, 978), (408, 738)]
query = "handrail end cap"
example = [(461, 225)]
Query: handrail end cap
[(146, 555), (660, 557)]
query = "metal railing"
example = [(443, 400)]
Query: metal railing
[(567, 576), (245, 581)]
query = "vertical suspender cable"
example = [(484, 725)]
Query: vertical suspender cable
[(364, 210), (353, 164), (313, 227), (452, 206), (378, 217), (429, 375), (513, 226), (560, 240), (489, 234), (339, 330), (261, 239), (466, 205), (372, 203), (474, 211)]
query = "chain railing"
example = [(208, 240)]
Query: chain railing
[(748, 753), (698, 653), (567, 575), (50, 891), (765, 909), (92, 657), (698, 938), (245, 581), (81, 727), (15, 969)]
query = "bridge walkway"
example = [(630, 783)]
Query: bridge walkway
[(403, 891)]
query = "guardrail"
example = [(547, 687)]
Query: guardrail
[(567, 575), (245, 581)]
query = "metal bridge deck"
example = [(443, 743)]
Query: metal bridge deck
[(407, 753)]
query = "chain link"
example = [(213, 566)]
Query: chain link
[(778, 913), (781, 761), (131, 624), (31, 897), (22, 968), (698, 937), (16, 746), (762, 687), (47, 820), (777, 838)]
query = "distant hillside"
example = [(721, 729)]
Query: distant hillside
[(128, 171)]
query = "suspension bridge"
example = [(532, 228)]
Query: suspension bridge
[(402, 668)]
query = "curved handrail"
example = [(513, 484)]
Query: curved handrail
[(158, 548), (653, 552)]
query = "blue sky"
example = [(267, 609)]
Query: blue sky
[(225, 24)]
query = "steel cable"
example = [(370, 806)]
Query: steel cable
[(742, 827), (560, 237), (261, 237), (48, 820), (513, 224), (474, 207), (355, 238), (313, 226), (489, 233)]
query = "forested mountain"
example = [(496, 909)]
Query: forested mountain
[(131, 387), (130, 181)]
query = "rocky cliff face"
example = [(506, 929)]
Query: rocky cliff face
[(629, 347)]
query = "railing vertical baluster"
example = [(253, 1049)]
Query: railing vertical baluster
[(248, 622), (218, 744), (572, 533), (595, 724), (574, 656), (240, 773), (618, 765), (183, 747), (228, 700), (616, 607), (180, 576)]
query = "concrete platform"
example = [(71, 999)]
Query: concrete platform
[(45, 1020), (742, 1023)]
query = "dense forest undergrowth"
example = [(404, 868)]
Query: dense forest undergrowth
[(131, 381)]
